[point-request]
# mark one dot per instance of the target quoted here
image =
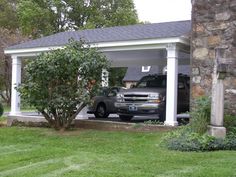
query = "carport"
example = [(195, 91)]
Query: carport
[(162, 44)]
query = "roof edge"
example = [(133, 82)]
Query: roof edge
[(108, 46)]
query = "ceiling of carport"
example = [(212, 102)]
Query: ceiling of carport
[(143, 58)]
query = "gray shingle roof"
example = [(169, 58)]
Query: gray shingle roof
[(120, 33), (134, 74)]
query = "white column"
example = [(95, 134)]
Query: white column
[(172, 84), (105, 78), (16, 80)]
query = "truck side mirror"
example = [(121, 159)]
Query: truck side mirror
[(112, 93)]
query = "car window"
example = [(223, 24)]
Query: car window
[(116, 90)]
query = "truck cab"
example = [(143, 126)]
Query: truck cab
[(148, 97)]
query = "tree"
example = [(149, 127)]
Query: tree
[(60, 83), (37, 17), (116, 76), (102, 13), (7, 38), (8, 16), (9, 35)]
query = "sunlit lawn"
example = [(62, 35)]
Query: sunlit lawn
[(44, 152)]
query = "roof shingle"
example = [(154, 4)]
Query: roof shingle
[(119, 33)]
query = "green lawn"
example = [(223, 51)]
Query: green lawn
[(46, 153)]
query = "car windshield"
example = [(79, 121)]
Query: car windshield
[(152, 82)]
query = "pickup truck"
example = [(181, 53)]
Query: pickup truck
[(148, 97)]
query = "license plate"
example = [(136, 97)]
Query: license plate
[(133, 108)]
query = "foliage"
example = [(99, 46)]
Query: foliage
[(116, 76), (60, 83), (153, 122), (193, 137), (1, 109), (46, 17), (7, 38), (8, 17), (36, 18), (230, 123), (184, 139), (9, 34), (200, 115)]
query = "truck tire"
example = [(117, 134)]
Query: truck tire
[(101, 111), (125, 118)]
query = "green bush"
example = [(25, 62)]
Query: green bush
[(193, 137), (184, 139), (200, 115), (230, 123), (1, 110), (60, 83), (230, 141)]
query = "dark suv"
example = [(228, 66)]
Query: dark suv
[(148, 97)]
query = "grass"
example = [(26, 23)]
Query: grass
[(87, 153)]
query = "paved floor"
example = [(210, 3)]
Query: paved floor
[(114, 117)]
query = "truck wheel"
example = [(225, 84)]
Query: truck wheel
[(101, 111), (125, 118)]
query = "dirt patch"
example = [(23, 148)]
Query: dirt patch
[(71, 132), (93, 124), (3, 123), (29, 123), (120, 126)]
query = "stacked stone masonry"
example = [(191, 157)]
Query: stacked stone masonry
[(213, 27)]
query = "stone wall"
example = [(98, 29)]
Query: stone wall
[(213, 26)]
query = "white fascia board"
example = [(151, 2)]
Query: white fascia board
[(137, 44), (106, 46), (184, 40), (30, 51)]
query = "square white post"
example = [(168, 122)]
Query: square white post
[(16, 80), (172, 84), (105, 78)]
